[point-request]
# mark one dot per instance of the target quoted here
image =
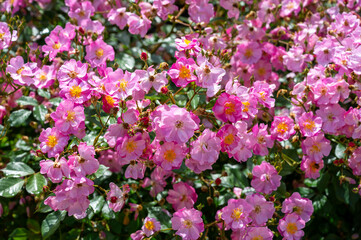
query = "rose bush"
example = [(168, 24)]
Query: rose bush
[(180, 119)]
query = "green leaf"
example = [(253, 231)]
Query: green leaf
[(101, 170), (97, 203), (44, 93), (19, 117), (19, 234), (40, 112), (26, 101), (17, 169), (36, 183), (9, 187), (51, 223), (340, 151), (56, 101)]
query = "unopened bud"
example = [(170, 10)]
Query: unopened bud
[(164, 90), (204, 188), (209, 201), (164, 66), (144, 56)]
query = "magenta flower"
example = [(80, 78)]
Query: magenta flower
[(316, 147), (262, 209), (200, 11), (151, 225), (289, 7), (150, 78), (55, 170), (135, 170), (98, 52), (118, 17), (138, 25), (263, 140), (205, 152), (121, 85), (116, 197), (236, 214), (249, 52), (265, 178), (130, 148), (6, 37), (229, 138), (44, 77), (68, 118), (188, 223), (228, 108), (21, 73), (185, 43), (209, 76), (282, 128), (290, 227), (164, 8), (157, 181), (231, 6), (76, 90), (108, 158), (175, 124), (82, 11), (295, 60), (114, 132), (56, 43), (52, 141), (324, 51), (84, 163), (261, 233), (310, 125), (182, 71), (355, 162), (169, 156), (182, 195), (298, 205), (311, 167), (71, 70)]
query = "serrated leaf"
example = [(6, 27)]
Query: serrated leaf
[(40, 112), (36, 183), (26, 101), (17, 169), (9, 187), (44, 93), (51, 223), (18, 117)]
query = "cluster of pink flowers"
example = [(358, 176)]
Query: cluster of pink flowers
[(237, 70)]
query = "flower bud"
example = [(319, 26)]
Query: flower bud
[(209, 201), (164, 90), (144, 56)]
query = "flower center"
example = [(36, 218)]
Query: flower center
[(110, 100), (169, 155), (187, 223), (56, 46), (20, 70), (99, 53), (122, 85), (257, 209), (282, 128), (130, 147), (42, 77), (246, 106), (72, 74), (315, 148), (51, 141), (314, 167), (2, 36), (291, 228), (237, 213), (309, 124), (75, 91), (149, 225), (184, 72), (178, 124), (261, 72), (248, 53), (229, 139), (230, 108), (257, 238), (186, 41), (71, 116), (113, 199)]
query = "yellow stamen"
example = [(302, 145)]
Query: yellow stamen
[(237, 213), (282, 128), (186, 41), (229, 139), (51, 141), (169, 155), (122, 85), (56, 46), (71, 116), (230, 108), (184, 72), (291, 228), (149, 225), (75, 91), (131, 146), (187, 223), (99, 53)]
